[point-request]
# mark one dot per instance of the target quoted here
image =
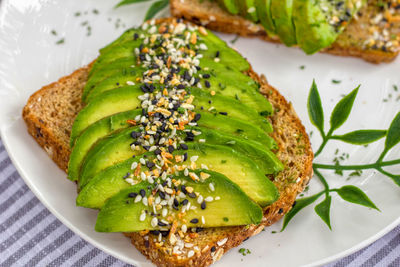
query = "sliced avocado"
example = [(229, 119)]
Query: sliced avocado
[(221, 159), (231, 107), (116, 148), (92, 134), (263, 8), (126, 98), (221, 123), (229, 5), (216, 47), (233, 207), (319, 23), (107, 104), (282, 11), (265, 159), (247, 9), (221, 79)]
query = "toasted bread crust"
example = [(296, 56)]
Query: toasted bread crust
[(215, 18), (294, 151)]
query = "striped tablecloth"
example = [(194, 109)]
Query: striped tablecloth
[(31, 236)]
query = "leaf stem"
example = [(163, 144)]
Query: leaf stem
[(323, 181), (325, 139), (375, 165)]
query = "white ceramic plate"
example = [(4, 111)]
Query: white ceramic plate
[(30, 58)]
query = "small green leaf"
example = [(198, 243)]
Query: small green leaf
[(342, 110), (155, 8), (355, 195), (315, 111), (323, 210), (300, 204), (361, 137), (128, 2), (393, 135)]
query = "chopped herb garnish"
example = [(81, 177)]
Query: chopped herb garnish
[(223, 161), (244, 251), (302, 67), (61, 41), (336, 81), (234, 40), (77, 14), (53, 32)]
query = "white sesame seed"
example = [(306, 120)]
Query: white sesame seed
[(154, 222), (186, 172), (143, 176), (184, 228), (142, 217), (203, 221), (222, 241), (134, 165), (200, 199), (130, 181), (202, 140), (190, 253), (138, 198), (211, 186), (130, 83), (142, 161), (209, 199), (217, 198), (194, 158), (164, 212), (145, 201)]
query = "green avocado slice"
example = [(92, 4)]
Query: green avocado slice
[(230, 6), (263, 8), (319, 22), (116, 147), (232, 207), (217, 122), (234, 165), (126, 98), (107, 104), (247, 9), (282, 11), (222, 79)]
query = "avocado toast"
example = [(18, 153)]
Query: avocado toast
[(205, 245), (370, 31)]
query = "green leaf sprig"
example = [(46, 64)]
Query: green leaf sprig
[(153, 10), (349, 193)]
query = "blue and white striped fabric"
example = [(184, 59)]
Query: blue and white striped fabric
[(31, 236)]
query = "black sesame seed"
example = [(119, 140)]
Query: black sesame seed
[(142, 192), (192, 195), (223, 113), (206, 76), (181, 86), (135, 36), (185, 156), (197, 117), (155, 232), (164, 233), (209, 102), (176, 202), (207, 84), (132, 195), (127, 175), (184, 146), (189, 134), (185, 202), (217, 54), (147, 243), (199, 229), (213, 249), (150, 164), (280, 211), (183, 189), (146, 147), (203, 205), (170, 148), (195, 220), (157, 151), (160, 223), (161, 194)]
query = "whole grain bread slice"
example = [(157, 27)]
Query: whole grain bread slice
[(361, 37), (50, 112)]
